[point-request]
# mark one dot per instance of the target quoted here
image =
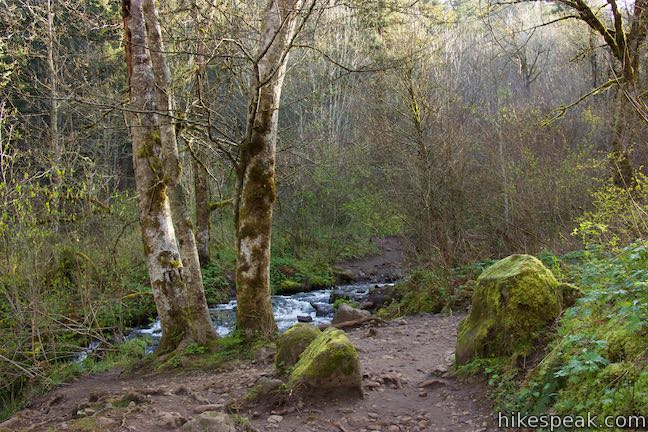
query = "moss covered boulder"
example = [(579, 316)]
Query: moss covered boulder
[(294, 342), (514, 301), (330, 363)]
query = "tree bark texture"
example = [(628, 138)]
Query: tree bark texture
[(256, 192), (200, 321)]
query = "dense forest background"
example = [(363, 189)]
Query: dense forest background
[(472, 130)]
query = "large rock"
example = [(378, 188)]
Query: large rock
[(345, 313), (322, 309), (329, 363), (210, 421), (293, 342), (514, 301)]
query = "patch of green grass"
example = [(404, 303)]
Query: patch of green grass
[(195, 349), (232, 347), (242, 421), (341, 301), (500, 374)]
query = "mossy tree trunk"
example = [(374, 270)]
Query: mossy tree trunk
[(255, 193), (200, 175), (201, 325), (164, 260), (203, 212)]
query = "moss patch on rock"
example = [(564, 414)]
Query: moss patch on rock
[(294, 342), (514, 301), (329, 363)]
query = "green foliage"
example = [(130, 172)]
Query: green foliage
[(242, 421), (123, 355), (597, 361), (500, 375), (195, 349), (618, 216), (433, 291), (334, 213), (195, 356), (341, 301), (217, 286), (289, 275)]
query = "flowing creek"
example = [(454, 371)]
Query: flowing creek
[(313, 304)]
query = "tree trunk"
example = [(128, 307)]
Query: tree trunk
[(201, 325), (201, 181), (161, 247), (622, 168), (55, 149), (256, 194), (203, 212), (630, 55)]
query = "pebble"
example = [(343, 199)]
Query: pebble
[(275, 419), (211, 407), (171, 420), (106, 422)]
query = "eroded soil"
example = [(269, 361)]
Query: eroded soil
[(404, 364)]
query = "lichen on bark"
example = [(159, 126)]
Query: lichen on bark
[(256, 191)]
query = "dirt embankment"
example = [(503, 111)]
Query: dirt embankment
[(386, 266)]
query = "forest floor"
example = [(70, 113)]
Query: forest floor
[(406, 388)]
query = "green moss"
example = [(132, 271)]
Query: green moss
[(597, 362), (513, 303), (433, 291), (289, 286), (330, 362), (293, 343), (339, 302)]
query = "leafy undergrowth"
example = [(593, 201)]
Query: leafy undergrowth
[(289, 275), (597, 362), (434, 291)]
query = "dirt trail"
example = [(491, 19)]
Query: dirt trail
[(386, 266), (401, 362)]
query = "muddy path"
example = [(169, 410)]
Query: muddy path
[(404, 364)]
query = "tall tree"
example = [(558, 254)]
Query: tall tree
[(182, 319), (255, 186), (202, 327), (200, 178), (624, 40)]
